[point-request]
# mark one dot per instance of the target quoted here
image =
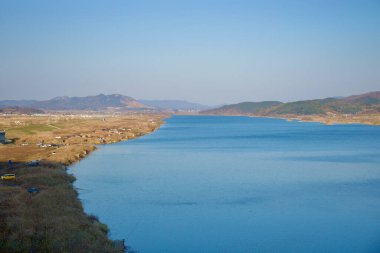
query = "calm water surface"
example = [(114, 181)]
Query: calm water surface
[(238, 184)]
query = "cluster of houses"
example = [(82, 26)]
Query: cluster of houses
[(43, 145), (101, 139)]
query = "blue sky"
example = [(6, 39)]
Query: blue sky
[(204, 51)]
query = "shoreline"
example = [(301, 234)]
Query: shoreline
[(56, 196), (121, 241), (94, 147), (372, 120), (51, 217)]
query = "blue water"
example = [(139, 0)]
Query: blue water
[(239, 184)]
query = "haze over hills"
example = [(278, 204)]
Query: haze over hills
[(97, 103), (101, 102), (242, 108), (20, 110), (357, 104), (19, 103), (94, 103), (174, 104)]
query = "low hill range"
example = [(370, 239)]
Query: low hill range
[(368, 103), (101, 102), (20, 110), (94, 103)]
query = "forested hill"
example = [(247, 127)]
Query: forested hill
[(358, 104)]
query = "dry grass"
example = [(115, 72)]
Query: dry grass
[(368, 119), (53, 220), (49, 221), (66, 139)]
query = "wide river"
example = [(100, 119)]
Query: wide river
[(239, 184)]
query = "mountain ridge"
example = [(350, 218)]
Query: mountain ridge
[(94, 103), (355, 104), (102, 102)]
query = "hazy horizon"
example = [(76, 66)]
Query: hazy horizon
[(209, 52), (185, 100)]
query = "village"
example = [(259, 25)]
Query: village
[(66, 138)]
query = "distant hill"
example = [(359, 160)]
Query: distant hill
[(94, 103), (20, 103), (306, 107), (20, 110), (174, 104), (242, 108), (103, 102), (370, 98), (364, 103), (357, 104)]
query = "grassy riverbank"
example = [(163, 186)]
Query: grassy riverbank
[(367, 119), (53, 220)]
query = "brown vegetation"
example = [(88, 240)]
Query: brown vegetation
[(368, 119), (52, 220), (67, 138)]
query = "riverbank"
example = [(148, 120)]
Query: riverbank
[(368, 119), (40, 210), (328, 118)]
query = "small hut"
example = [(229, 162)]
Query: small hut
[(2, 137)]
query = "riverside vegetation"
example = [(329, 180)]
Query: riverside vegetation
[(52, 219)]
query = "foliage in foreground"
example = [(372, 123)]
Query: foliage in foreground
[(51, 220)]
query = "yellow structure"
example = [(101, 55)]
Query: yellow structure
[(8, 176)]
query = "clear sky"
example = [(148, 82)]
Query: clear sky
[(204, 51)]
